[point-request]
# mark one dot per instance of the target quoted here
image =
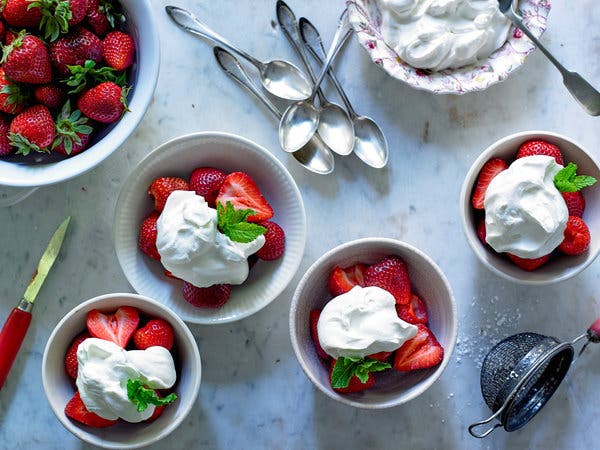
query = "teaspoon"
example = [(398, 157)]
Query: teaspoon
[(370, 144), (314, 155), (580, 89), (280, 78), (335, 127)]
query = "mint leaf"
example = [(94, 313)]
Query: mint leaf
[(567, 180), (233, 223), (143, 396), (347, 367)]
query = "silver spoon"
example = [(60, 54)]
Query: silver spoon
[(335, 127), (370, 144), (314, 155), (280, 78), (301, 119), (584, 92)]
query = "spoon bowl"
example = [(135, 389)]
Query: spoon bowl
[(370, 144), (336, 128)]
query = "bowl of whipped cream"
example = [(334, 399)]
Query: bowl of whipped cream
[(446, 46)]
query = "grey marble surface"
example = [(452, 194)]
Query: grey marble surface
[(253, 393)]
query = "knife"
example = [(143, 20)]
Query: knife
[(16, 325)]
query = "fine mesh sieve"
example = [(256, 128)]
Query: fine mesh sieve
[(520, 374)]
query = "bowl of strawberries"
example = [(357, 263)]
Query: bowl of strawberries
[(373, 323), (528, 207), (212, 225), (121, 371), (75, 80)]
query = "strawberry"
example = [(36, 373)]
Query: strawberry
[(342, 280), (118, 49), (481, 231), (489, 170), (78, 11), (17, 13), (213, 296), (158, 410), (593, 331), (71, 364), (26, 60), (170, 274), (72, 131), (420, 352), (157, 332), (5, 147), (162, 187), (390, 274), (531, 148), (207, 181), (529, 264), (32, 130), (117, 327), (575, 203), (381, 356), (95, 18), (51, 96), (274, 242), (414, 312), (577, 237), (241, 190), (2, 30), (355, 385), (314, 319), (12, 96), (74, 49), (104, 103), (76, 410), (147, 236)]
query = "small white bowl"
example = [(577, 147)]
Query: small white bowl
[(391, 388), (560, 267), (179, 157), (59, 389)]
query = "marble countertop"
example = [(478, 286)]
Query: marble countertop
[(253, 393)]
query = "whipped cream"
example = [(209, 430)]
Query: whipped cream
[(443, 34), (524, 212), (193, 249), (361, 322), (105, 368)]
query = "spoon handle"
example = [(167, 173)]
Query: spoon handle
[(192, 24)]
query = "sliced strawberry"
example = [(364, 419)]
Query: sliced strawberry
[(531, 148), (76, 410), (162, 187), (342, 280), (274, 242), (241, 190), (381, 356), (577, 237), (489, 170), (390, 274), (421, 352), (71, 364), (575, 203), (529, 264), (157, 332), (413, 312), (481, 231), (314, 319), (355, 385), (207, 181), (117, 327), (213, 296)]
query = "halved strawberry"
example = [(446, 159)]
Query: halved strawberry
[(342, 280), (414, 312), (355, 385), (575, 203), (76, 410), (381, 356), (481, 231), (390, 274), (162, 187), (531, 148), (529, 264), (71, 364), (314, 319), (241, 190), (489, 170), (117, 327), (421, 352)]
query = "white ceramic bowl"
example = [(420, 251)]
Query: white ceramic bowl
[(59, 389), (560, 267), (141, 25), (365, 17), (392, 388), (179, 157)]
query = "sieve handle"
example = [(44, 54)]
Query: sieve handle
[(472, 428)]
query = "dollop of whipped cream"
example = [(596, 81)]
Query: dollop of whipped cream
[(443, 34), (361, 322), (524, 212), (193, 249), (105, 368)]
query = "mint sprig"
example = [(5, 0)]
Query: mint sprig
[(347, 367), (567, 180), (234, 223), (143, 396)]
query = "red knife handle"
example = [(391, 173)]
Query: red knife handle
[(11, 338)]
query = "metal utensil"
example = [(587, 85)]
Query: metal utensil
[(521, 373), (17, 323), (300, 120), (584, 92), (370, 144), (335, 127), (314, 155), (280, 78)]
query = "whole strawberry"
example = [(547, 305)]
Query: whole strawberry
[(26, 60), (213, 296), (95, 18), (118, 49), (32, 130), (390, 274), (575, 203), (529, 264), (72, 131), (147, 236), (50, 95), (531, 148), (5, 147), (207, 181), (577, 237), (162, 187), (12, 95), (104, 103), (157, 332), (71, 364), (74, 49), (17, 13), (274, 242)]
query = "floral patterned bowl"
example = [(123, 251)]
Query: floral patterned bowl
[(365, 17)]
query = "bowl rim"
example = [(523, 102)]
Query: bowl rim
[(448, 349), (465, 206), (172, 318)]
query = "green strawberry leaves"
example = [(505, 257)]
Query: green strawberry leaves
[(69, 125), (142, 396), (55, 17), (87, 75), (347, 367), (567, 180), (233, 223)]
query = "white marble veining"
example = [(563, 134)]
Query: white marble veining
[(254, 394)]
